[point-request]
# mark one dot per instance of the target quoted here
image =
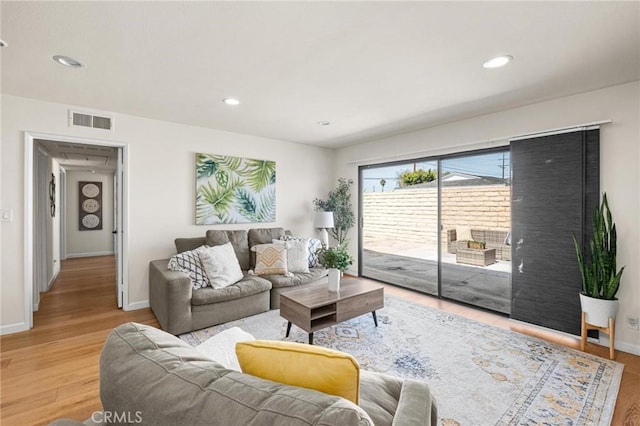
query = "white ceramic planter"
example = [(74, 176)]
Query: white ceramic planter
[(334, 279), (598, 311)]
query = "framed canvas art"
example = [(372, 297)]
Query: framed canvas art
[(90, 206), (234, 190)]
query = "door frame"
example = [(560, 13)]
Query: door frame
[(41, 225), (29, 144), (62, 208)]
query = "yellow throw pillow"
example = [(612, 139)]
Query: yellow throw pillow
[(297, 364)]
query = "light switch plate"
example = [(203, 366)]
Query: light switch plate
[(6, 215)]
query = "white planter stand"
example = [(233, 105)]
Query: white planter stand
[(598, 314), (334, 279)]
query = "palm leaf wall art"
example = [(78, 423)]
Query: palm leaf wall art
[(234, 190)]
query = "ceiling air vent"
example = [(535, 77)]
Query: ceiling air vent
[(83, 119)]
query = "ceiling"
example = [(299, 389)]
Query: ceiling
[(81, 157), (371, 69)]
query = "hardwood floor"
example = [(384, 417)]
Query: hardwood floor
[(52, 372)]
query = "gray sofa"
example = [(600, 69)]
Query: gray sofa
[(180, 309), (157, 379)]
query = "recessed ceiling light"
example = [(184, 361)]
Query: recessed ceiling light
[(67, 61), (498, 61), (231, 101), (324, 123), (3, 43)]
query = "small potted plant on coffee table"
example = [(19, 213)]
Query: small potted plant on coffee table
[(336, 260)]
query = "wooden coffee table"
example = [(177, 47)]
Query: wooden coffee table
[(315, 307)]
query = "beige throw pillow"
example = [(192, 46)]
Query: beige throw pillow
[(221, 265), (463, 233), (271, 259)]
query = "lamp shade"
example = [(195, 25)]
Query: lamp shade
[(323, 220)]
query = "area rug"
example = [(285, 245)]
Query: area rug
[(479, 374)]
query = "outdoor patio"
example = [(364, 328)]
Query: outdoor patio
[(414, 266)]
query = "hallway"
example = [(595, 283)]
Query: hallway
[(51, 371)]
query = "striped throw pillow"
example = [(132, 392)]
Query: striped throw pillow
[(189, 263)]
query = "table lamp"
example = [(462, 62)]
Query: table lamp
[(323, 220)]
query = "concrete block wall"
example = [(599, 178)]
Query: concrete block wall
[(412, 215)]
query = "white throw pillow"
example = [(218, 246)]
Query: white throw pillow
[(221, 265), (297, 254), (463, 233), (314, 245), (222, 347), (189, 263)]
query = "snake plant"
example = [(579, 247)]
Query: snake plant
[(599, 277)]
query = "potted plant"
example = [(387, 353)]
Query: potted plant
[(339, 202), (478, 245), (337, 260), (600, 280)]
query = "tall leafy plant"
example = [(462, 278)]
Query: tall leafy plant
[(339, 202), (599, 276)]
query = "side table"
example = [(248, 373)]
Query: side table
[(478, 257)]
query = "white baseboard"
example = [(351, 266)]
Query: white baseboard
[(50, 283), (550, 330), (621, 346), (36, 306), (13, 328), (136, 305), (602, 341), (92, 254)]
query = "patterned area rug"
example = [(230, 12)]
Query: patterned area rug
[(479, 374)]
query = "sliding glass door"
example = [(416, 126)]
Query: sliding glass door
[(476, 221), (421, 220), (399, 224)]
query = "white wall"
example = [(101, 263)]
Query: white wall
[(91, 242), (619, 162), (161, 187)]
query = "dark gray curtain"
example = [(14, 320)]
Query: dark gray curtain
[(555, 186)]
